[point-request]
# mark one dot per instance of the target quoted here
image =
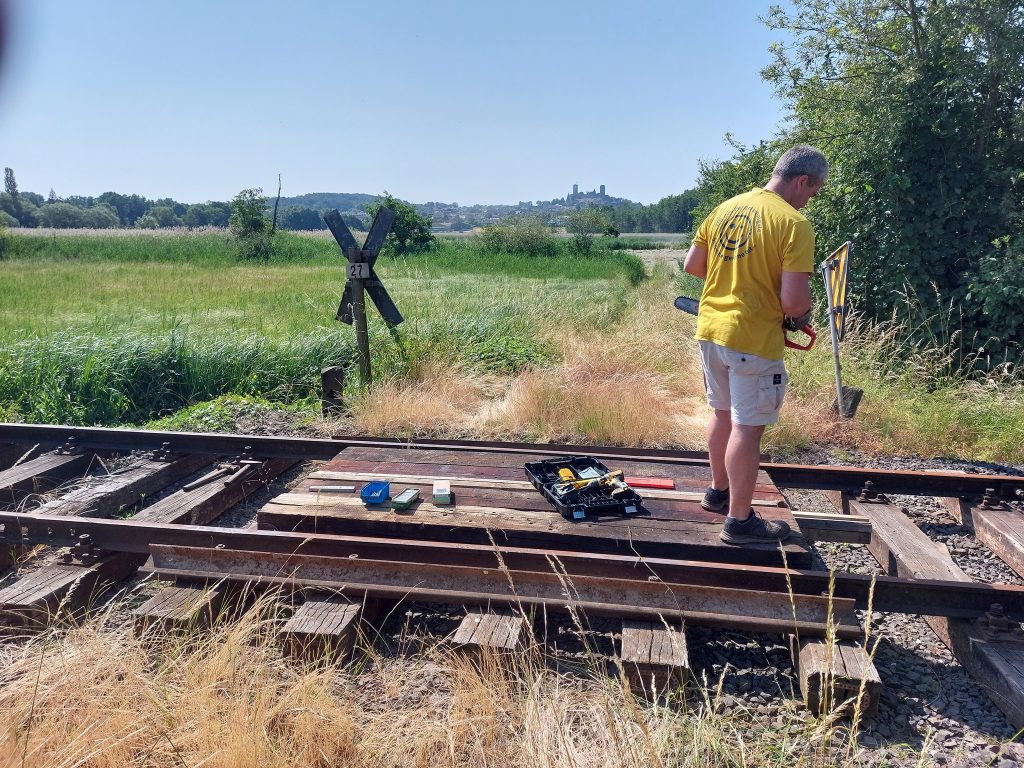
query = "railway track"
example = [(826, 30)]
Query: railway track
[(497, 551)]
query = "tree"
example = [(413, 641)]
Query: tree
[(918, 106), (409, 233), (302, 217), (525, 235), (129, 207), (62, 216), (11, 189), (211, 214), (584, 224), (249, 224), (101, 216), (248, 213)]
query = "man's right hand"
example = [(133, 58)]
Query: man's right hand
[(796, 323)]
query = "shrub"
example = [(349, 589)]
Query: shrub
[(525, 235)]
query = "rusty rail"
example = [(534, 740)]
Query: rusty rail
[(953, 599), (848, 479)]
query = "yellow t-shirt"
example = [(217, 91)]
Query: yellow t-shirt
[(751, 240)]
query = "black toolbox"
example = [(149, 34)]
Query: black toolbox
[(585, 502)]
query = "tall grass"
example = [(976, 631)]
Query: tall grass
[(102, 696)]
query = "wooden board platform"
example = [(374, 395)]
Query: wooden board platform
[(491, 503)]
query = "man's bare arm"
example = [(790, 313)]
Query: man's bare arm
[(696, 262), (795, 295)]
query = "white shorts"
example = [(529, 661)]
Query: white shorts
[(751, 387)]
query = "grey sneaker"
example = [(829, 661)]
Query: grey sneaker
[(715, 501), (754, 530)]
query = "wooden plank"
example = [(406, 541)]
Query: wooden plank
[(9, 454), (696, 541), (839, 500), (487, 472), (993, 658), (844, 529), (1002, 531), (700, 475), (906, 550), (835, 675), (496, 630), (654, 656), (670, 522), (178, 610), (111, 494), (195, 507), (41, 474), (205, 503), (59, 591), (323, 628), (761, 499)]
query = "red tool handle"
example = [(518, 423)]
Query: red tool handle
[(807, 331)]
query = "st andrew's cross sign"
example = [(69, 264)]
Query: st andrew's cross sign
[(362, 277)]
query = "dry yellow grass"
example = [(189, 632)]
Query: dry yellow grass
[(638, 384), (102, 697)]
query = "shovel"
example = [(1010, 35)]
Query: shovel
[(834, 271)]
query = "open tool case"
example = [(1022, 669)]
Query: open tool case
[(586, 502)]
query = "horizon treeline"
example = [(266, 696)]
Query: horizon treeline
[(112, 210)]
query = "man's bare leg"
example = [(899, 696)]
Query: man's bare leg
[(742, 462), (719, 429)]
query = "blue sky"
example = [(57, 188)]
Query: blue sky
[(471, 102)]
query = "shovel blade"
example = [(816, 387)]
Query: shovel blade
[(851, 399)]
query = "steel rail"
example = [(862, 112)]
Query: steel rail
[(849, 479), (884, 594), (751, 609)]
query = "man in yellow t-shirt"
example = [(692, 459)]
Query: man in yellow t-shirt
[(755, 254)]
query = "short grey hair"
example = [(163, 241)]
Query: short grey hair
[(800, 160)]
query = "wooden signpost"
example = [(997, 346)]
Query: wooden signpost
[(363, 280)]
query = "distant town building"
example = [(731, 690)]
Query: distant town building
[(575, 189), (602, 190)]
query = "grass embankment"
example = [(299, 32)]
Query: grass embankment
[(122, 329), (100, 696)]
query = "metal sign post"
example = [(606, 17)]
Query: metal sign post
[(363, 280), (834, 271)]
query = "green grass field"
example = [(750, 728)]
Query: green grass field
[(125, 329), (105, 330)]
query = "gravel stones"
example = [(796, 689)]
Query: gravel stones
[(928, 701)]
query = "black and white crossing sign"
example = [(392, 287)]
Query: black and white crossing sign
[(361, 277), (360, 265)]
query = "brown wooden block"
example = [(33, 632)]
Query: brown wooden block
[(109, 495), (958, 509), (1002, 531), (500, 630), (41, 474), (836, 674), (323, 628), (654, 656), (12, 453), (60, 591), (203, 504), (839, 500), (179, 609)]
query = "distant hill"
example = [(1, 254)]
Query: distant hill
[(345, 202)]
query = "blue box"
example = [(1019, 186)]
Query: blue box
[(375, 492)]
